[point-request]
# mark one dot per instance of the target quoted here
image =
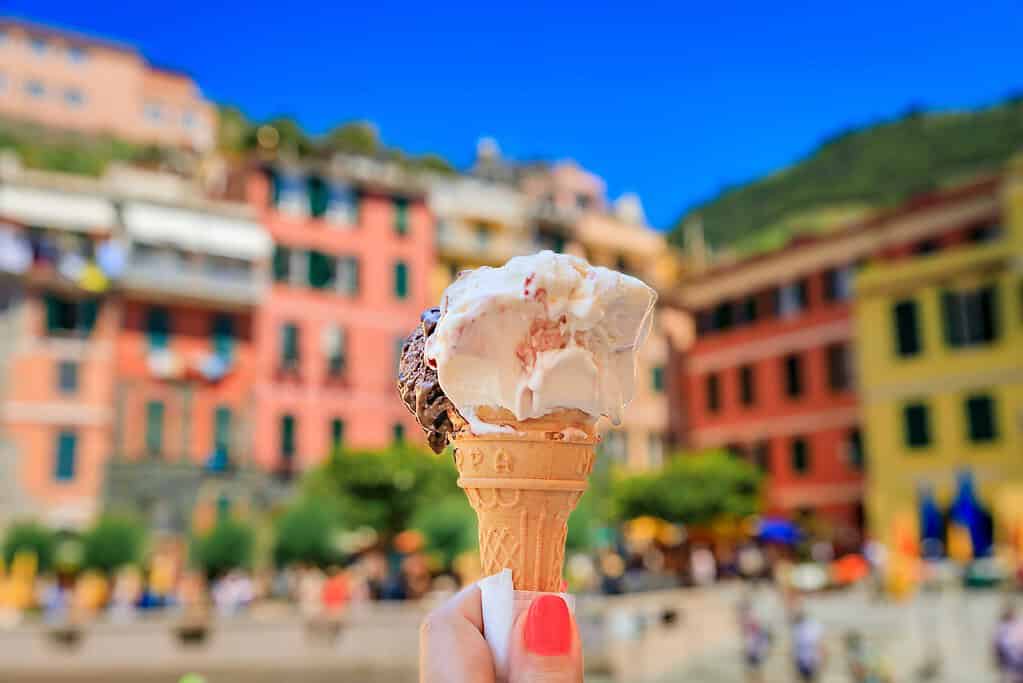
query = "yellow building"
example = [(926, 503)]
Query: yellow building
[(940, 352)]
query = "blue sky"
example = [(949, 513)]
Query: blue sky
[(665, 100)]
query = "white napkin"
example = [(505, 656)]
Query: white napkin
[(502, 605)]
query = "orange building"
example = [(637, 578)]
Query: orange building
[(128, 327), (771, 372), (353, 255), (74, 82)]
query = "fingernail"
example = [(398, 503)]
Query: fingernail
[(548, 629)]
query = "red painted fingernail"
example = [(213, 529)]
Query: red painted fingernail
[(548, 629)]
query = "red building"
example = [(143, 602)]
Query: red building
[(770, 374), (353, 251)]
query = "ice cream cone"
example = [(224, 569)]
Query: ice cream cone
[(523, 486)]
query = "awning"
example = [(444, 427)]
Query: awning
[(196, 231), (53, 209)]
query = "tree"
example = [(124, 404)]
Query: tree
[(234, 130), (30, 537), (227, 546), (449, 526), (304, 533), (691, 489), (383, 490), (434, 163), (112, 542), (354, 137)]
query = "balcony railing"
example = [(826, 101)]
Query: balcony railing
[(170, 274), (461, 239)]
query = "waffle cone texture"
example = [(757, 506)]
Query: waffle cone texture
[(523, 488)]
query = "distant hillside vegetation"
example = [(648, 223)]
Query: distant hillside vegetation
[(859, 171)]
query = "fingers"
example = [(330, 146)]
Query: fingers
[(451, 644), (545, 644)]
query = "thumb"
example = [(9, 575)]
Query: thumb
[(545, 644)]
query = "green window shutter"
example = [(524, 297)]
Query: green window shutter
[(88, 312), (275, 187), (67, 377), (289, 344), (154, 427), (158, 328), (713, 393), (281, 264), (337, 434), (288, 437), (222, 431), (747, 385), (800, 456), (398, 432), (64, 465), (54, 322), (987, 304), (657, 378), (906, 328), (954, 319), (401, 216), (401, 279), (916, 425), (793, 367), (223, 336), (319, 196), (981, 419)]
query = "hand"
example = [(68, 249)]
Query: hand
[(544, 643)]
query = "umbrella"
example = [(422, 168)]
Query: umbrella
[(967, 511), (778, 531), (932, 523)]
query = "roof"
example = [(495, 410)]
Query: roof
[(68, 35)]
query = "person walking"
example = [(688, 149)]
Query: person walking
[(756, 641), (807, 646)]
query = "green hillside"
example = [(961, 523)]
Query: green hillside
[(859, 171)]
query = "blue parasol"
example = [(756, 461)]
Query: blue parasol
[(778, 531), (967, 511), (932, 523)]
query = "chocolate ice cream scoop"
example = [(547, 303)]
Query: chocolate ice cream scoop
[(419, 388)]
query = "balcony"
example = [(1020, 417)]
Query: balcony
[(173, 274), (464, 241)]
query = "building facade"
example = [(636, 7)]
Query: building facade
[(941, 365), (73, 82), (771, 373), (128, 333), (353, 256)]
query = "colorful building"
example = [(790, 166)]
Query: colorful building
[(940, 359), (353, 254), (113, 302), (69, 81), (771, 373)]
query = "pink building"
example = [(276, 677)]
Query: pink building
[(353, 253), (72, 82)]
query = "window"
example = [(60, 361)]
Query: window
[(713, 393), (289, 346), (655, 451), (153, 112), (704, 322), (723, 316), (838, 283), (762, 456), (287, 443), (337, 434), (64, 463), (854, 450), (926, 247), (322, 270), (401, 216), (37, 45), (68, 317), (67, 377), (158, 328), (907, 333), (348, 275), (223, 336), (747, 386), (800, 455), (793, 367), (154, 427), (222, 432), (77, 54), (334, 343), (984, 233), (281, 264), (319, 196), (35, 89), (657, 378), (792, 298), (981, 419), (401, 279), (916, 422), (482, 236), (839, 367), (747, 312), (613, 446), (971, 317), (398, 432), (74, 98)]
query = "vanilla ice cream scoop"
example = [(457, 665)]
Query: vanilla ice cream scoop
[(542, 333)]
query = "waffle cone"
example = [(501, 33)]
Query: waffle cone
[(523, 487)]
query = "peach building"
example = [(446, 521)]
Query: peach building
[(127, 327), (74, 82), (353, 253)]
